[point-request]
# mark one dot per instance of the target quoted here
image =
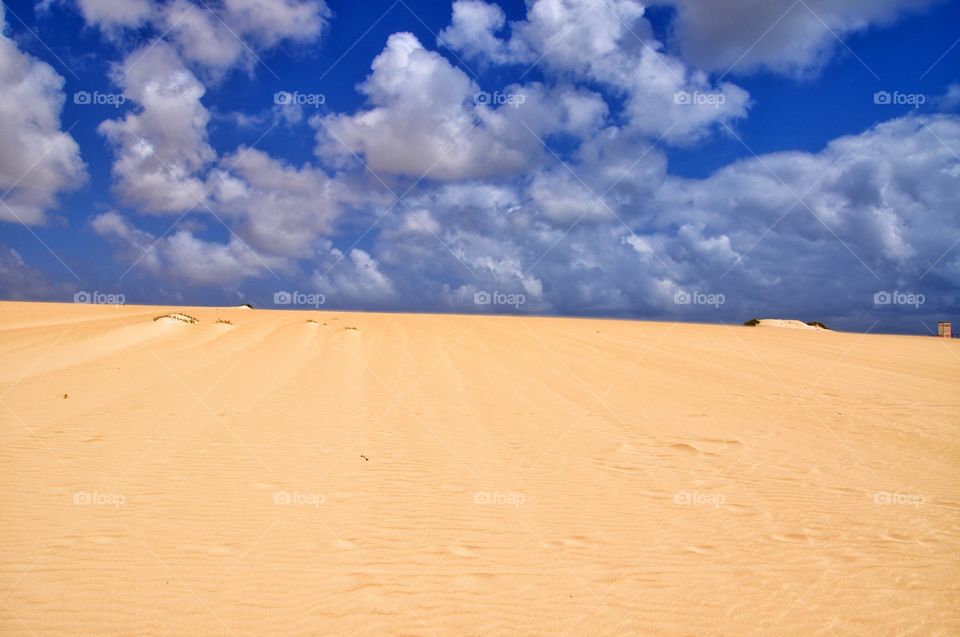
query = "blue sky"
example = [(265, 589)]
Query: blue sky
[(678, 160)]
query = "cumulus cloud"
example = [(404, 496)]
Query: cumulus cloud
[(182, 256), (606, 42), (280, 209), (473, 30), (111, 14), (270, 22), (877, 212), (419, 100), (562, 198), (165, 165), (883, 193), (201, 36), (215, 35), (161, 146), (39, 160), (783, 36), (353, 279)]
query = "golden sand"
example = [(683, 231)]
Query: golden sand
[(375, 474)]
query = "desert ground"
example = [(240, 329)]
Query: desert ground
[(333, 473)]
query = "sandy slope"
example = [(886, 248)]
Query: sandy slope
[(523, 477)]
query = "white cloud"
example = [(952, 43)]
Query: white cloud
[(608, 42), (571, 34), (182, 256), (162, 146), (216, 36), (561, 198), (883, 192), (109, 14), (786, 37), (886, 197), (354, 278), (269, 22), (472, 30), (280, 209), (419, 101), (202, 37), (39, 160)]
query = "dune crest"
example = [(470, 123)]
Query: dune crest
[(789, 324)]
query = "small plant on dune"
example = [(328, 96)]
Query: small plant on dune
[(818, 324), (223, 321), (184, 318), (312, 321), (350, 327), (752, 322)]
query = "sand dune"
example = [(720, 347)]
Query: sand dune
[(789, 323), (452, 475)]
